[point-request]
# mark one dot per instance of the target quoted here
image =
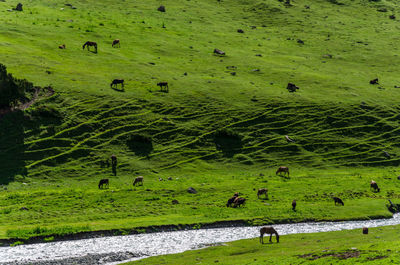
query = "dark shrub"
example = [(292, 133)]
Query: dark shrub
[(228, 141), (142, 145)]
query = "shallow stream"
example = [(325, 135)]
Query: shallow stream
[(117, 249)]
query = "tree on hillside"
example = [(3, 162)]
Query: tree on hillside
[(12, 90)]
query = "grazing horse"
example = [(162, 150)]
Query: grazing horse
[(338, 201), (115, 82), (138, 180), (374, 186), (294, 204), (163, 86), (238, 201), (262, 191), (374, 81), (115, 43), (232, 199), (284, 170), (292, 87), (103, 182), (219, 52), (268, 230), (62, 46), (90, 43)]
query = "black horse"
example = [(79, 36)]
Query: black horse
[(338, 201), (90, 43), (115, 83), (163, 86), (103, 182)]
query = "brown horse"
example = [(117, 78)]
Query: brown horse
[(90, 43), (284, 170), (115, 43), (268, 230), (262, 191), (374, 186), (232, 199), (238, 201), (138, 180), (103, 182)]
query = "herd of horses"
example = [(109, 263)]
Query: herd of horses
[(236, 200), (114, 84)]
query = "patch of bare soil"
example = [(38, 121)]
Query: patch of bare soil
[(341, 255), (376, 257)]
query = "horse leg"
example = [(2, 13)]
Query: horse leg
[(270, 238)]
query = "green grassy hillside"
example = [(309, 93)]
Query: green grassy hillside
[(223, 121)]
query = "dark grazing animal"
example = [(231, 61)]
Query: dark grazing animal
[(138, 180), (163, 86), (232, 199), (115, 43), (268, 230), (374, 81), (61, 46), (102, 183), (294, 205), (90, 44), (262, 191), (284, 170), (19, 7), (338, 201), (161, 8), (292, 87), (115, 82), (219, 52), (374, 186), (238, 201)]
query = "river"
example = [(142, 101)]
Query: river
[(117, 249)]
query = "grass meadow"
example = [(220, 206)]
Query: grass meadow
[(221, 127)]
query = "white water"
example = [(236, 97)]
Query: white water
[(145, 245)]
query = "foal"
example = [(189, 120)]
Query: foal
[(268, 230)]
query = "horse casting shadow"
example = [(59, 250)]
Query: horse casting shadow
[(89, 44)]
